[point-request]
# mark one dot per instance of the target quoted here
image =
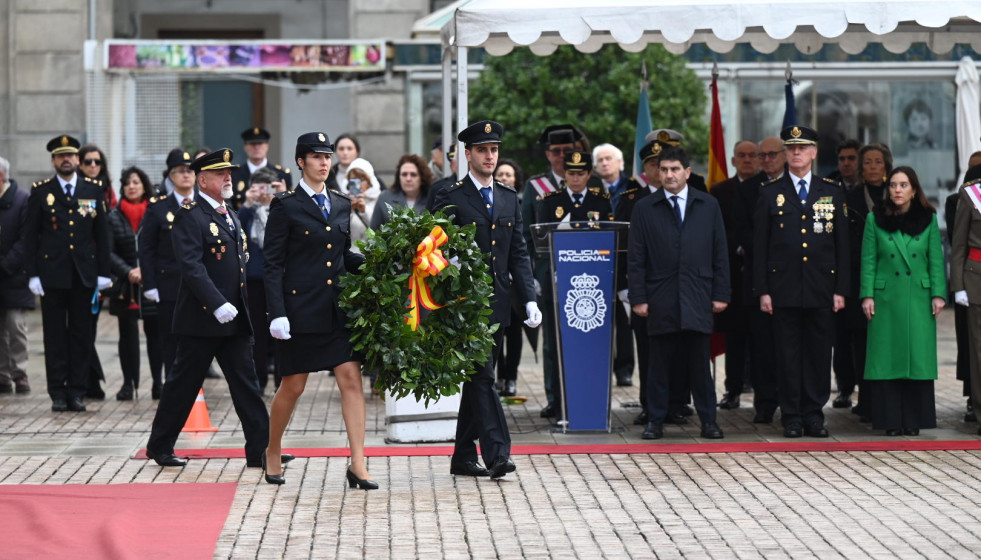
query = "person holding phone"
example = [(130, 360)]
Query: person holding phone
[(366, 189)]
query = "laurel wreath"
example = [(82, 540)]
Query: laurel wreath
[(450, 341)]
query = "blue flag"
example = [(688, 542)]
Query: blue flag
[(790, 112), (644, 126)]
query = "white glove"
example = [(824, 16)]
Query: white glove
[(102, 282), (960, 297), (538, 288), (622, 295), (279, 328), (152, 295), (35, 286), (455, 261), (534, 315), (225, 313)]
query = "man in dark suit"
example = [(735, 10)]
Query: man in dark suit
[(801, 274), (734, 322), (67, 263), (256, 141), (493, 207), (678, 271), (158, 258), (210, 317)]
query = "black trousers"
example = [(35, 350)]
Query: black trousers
[(168, 341), (481, 416), (737, 361), (194, 355), (510, 358), (638, 325), (683, 353), (763, 372), (803, 338), (96, 375), (260, 326), (66, 316), (129, 346), (623, 359)]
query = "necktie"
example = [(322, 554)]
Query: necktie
[(577, 198), (321, 200), (228, 219), (803, 190), (68, 190), (486, 193), (677, 209)]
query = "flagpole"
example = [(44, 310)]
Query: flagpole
[(644, 126), (717, 169)]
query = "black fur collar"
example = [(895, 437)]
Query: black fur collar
[(913, 222)]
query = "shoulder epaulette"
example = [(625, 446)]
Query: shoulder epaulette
[(342, 195), (553, 193), (969, 183), (188, 204), (278, 166), (287, 170), (631, 191), (35, 184), (505, 186), (455, 185), (96, 182), (605, 195), (285, 194), (832, 181), (768, 181)]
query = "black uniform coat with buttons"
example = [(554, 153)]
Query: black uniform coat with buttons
[(499, 238), (62, 233), (857, 212), (158, 261), (594, 207), (794, 264), (678, 272), (212, 262), (306, 254), (13, 280)]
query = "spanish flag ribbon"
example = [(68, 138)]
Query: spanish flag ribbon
[(429, 261)]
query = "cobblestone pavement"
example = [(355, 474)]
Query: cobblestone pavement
[(907, 504)]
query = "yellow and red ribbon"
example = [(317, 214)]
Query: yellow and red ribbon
[(429, 261)]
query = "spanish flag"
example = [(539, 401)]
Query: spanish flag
[(717, 170)]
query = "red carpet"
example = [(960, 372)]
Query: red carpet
[(608, 449), (116, 521)]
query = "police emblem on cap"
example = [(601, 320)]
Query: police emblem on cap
[(321, 137), (663, 136), (795, 132), (226, 156), (255, 131), (187, 156), (656, 149), (64, 140), (487, 128), (576, 157)]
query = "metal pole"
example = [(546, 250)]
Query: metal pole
[(447, 107), (461, 107)]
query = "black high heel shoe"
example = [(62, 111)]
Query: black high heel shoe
[(272, 478), (361, 483)]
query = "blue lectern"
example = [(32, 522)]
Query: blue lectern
[(584, 262)]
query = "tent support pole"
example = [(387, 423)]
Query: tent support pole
[(461, 107)]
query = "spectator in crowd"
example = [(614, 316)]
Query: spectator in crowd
[(436, 158), (346, 150), (449, 180), (848, 168), (509, 172), (363, 188), (15, 298), (126, 301), (902, 289), (411, 188)]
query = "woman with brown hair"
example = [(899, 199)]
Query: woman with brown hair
[(411, 188)]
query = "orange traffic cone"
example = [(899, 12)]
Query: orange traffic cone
[(198, 420)]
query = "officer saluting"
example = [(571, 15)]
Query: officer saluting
[(211, 316), (800, 271), (67, 262), (256, 141)]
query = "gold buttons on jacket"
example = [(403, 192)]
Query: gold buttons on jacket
[(328, 228), (494, 242), (803, 230), (804, 245), (71, 222), (329, 264), (805, 259), (71, 247), (803, 217), (493, 226), (294, 292), (329, 246), (329, 282), (306, 233)]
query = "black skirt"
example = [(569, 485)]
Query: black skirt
[(902, 404), (305, 353)]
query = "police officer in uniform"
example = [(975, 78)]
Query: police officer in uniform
[(67, 263), (158, 258), (801, 274), (211, 316), (493, 208), (256, 141)]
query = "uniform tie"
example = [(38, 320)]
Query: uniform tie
[(577, 198), (321, 200), (803, 190), (485, 192), (228, 219), (677, 209), (68, 190)]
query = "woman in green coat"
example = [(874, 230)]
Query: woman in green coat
[(902, 289)]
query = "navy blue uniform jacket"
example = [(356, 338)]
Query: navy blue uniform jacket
[(158, 262)]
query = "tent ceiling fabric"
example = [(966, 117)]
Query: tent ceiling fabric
[(500, 25)]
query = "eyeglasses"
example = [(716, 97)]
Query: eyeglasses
[(89, 161), (560, 151), (770, 155)]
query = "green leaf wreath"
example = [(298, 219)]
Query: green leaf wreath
[(450, 341)]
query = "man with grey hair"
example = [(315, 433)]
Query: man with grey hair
[(15, 297)]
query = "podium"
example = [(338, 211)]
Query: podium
[(584, 258)]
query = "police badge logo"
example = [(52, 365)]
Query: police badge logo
[(321, 137), (559, 212), (487, 128), (656, 149), (795, 132), (227, 156), (51, 199), (576, 157), (663, 136), (213, 228), (584, 307), (780, 200), (170, 216)]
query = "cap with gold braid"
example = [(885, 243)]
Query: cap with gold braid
[(799, 135), (650, 150), (255, 134), (666, 136), (578, 161), (218, 159), (63, 145), (482, 132)]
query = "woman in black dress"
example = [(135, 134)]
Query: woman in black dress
[(307, 249)]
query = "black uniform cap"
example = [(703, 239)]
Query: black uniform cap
[(255, 134), (560, 134), (481, 132), (651, 149), (218, 159), (799, 135), (178, 157), (63, 145), (578, 161), (317, 142)]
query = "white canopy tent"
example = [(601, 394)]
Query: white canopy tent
[(542, 25)]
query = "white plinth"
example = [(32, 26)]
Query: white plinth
[(410, 421)]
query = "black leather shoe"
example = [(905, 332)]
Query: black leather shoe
[(501, 467), (95, 393), (815, 430), (510, 388), (625, 381), (362, 483), (641, 419), (166, 459), (468, 468), (793, 431), (686, 410), (729, 401), (59, 405), (894, 432), (912, 432), (75, 404), (272, 478), (155, 391), (763, 417), (711, 430), (286, 457), (843, 400), (126, 393), (676, 418), (653, 430), (547, 412)]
